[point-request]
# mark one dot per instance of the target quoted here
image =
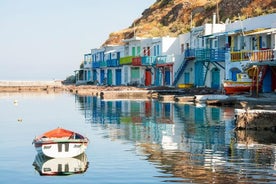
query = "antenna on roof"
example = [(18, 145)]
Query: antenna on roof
[(227, 21), (241, 25)]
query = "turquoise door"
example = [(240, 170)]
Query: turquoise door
[(199, 74), (109, 77), (157, 77), (103, 81), (89, 75), (215, 83)]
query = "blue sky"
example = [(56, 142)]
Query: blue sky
[(46, 39)]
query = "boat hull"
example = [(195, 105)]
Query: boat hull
[(61, 143), (61, 149), (236, 87)]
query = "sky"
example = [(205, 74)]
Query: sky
[(46, 39)]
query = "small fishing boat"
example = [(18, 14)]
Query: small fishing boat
[(46, 166), (234, 87), (61, 143), (243, 84)]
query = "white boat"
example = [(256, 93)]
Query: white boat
[(60, 166), (61, 143)]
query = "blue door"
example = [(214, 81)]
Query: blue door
[(103, 80), (118, 77), (167, 76), (94, 75), (186, 78), (234, 72), (267, 82), (215, 83)]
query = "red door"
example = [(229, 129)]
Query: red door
[(148, 78)]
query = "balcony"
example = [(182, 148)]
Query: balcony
[(148, 60), (165, 60), (112, 63), (137, 61), (87, 64), (95, 64), (210, 54), (126, 60), (103, 64), (189, 53), (260, 55)]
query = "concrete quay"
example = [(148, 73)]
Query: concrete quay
[(25, 86)]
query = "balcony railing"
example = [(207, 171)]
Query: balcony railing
[(164, 60), (148, 60), (260, 55), (95, 64), (137, 61), (126, 60), (112, 63), (210, 54), (103, 64), (190, 53)]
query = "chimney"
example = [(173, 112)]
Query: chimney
[(214, 22)]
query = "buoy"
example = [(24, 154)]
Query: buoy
[(15, 102)]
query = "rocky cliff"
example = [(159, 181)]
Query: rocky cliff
[(174, 17)]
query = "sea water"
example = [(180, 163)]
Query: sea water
[(134, 141)]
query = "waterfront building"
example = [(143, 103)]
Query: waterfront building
[(204, 56), (252, 43), (84, 74), (149, 61)]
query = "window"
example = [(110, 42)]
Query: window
[(182, 48)]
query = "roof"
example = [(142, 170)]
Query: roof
[(223, 33), (260, 31)]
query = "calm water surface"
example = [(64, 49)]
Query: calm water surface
[(134, 141)]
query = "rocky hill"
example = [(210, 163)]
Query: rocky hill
[(174, 17)]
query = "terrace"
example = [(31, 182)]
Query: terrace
[(258, 55)]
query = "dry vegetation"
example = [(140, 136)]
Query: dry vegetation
[(173, 17)]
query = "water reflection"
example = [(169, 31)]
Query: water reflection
[(46, 166), (195, 143)]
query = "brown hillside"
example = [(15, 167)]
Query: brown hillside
[(173, 17)]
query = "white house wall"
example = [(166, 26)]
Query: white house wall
[(126, 74), (146, 43), (169, 46), (213, 28), (189, 69), (184, 39), (265, 21)]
